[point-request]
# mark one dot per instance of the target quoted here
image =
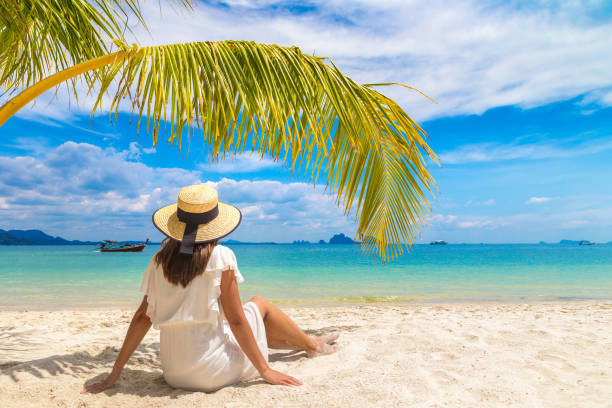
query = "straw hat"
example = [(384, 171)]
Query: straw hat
[(197, 217)]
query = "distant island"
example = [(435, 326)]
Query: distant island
[(341, 239), (36, 237), (336, 239), (572, 242), (580, 242)]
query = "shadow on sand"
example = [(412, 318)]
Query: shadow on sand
[(142, 376)]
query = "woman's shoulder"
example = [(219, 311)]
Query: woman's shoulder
[(221, 257), (153, 264), (222, 250)]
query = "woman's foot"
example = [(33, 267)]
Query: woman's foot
[(324, 345)]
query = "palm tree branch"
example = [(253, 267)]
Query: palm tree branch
[(290, 106), (38, 37), (41, 37)]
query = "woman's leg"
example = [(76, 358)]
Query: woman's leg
[(282, 332)]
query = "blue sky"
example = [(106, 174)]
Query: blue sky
[(522, 125)]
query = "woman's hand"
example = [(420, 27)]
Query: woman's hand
[(278, 378), (100, 386), (139, 326)]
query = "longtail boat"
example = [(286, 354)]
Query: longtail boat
[(114, 246)]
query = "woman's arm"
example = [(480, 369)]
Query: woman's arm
[(139, 327), (232, 307)]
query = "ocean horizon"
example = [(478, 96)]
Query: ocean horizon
[(62, 277)]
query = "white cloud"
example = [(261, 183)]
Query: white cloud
[(463, 221), (469, 56), (249, 209), (306, 212), (538, 200), (575, 223), (569, 223), (474, 224), (242, 163), (486, 203), (442, 219), (81, 191), (517, 149), (135, 151), (256, 212)]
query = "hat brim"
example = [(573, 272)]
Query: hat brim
[(166, 220)]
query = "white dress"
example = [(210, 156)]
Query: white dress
[(198, 350)]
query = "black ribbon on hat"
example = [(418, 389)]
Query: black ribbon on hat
[(192, 220)]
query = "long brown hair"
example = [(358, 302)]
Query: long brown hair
[(181, 268)]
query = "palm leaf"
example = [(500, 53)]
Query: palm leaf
[(38, 37), (295, 108)]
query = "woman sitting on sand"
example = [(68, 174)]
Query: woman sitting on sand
[(208, 339)]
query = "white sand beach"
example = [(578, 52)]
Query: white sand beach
[(418, 355)]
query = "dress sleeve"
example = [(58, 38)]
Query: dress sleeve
[(148, 288), (221, 260)]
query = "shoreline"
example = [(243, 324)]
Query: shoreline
[(309, 303), (553, 354)]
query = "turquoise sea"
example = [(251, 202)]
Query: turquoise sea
[(40, 277)]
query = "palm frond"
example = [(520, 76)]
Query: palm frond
[(38, 37), (296, 108)]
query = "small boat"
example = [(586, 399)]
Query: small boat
[(439, 242), (114, 246), (586, 243)]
